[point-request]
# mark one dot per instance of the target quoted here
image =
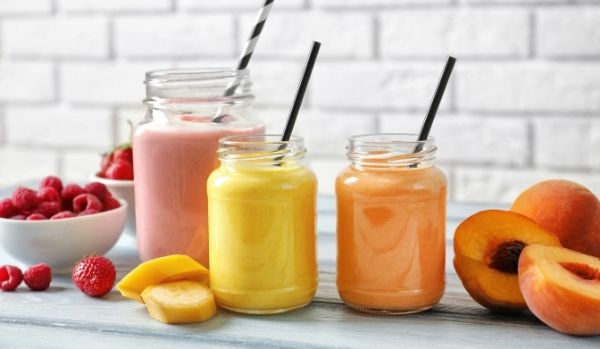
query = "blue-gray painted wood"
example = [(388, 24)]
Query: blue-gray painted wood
[(65, 318)]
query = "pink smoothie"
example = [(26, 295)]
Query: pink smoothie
[(172, 163)]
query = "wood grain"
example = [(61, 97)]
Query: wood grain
[(65, 318)]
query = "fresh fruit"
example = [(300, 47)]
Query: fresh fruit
[(63, 215), (163, 269), (52, 181), (48, 194), (48, 209), (120, 169), (118, 164), (86, 202), (19, 217), (24, 199), (110, 203), (38, 277), (98, 189), (562, 288), (7, 209), (180, 302), (94, 275), (487, 246), (10, 277), (36, 217), (566, 209), (87, 212), (69, 192)]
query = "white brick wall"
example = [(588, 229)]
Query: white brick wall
[(523, 104)]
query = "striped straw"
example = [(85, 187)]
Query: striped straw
[(247, 53)]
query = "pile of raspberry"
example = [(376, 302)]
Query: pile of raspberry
[(55, 201)]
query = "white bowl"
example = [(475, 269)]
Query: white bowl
[(122, 189), (62, 242)]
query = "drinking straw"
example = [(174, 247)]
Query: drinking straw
[(435, 102), (310, 63), (261, 18)]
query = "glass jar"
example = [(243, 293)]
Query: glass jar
[(262, 222), (391, 204), (175, 152)]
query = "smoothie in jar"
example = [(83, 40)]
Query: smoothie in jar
[(176, 152), (262, 205), (390, 226)]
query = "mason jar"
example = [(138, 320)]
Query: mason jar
[(391, 216), (262, 222), (176, 150)]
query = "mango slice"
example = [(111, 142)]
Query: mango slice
[(160, 270), (180, 302)]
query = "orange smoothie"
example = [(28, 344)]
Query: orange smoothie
[(391, 235)]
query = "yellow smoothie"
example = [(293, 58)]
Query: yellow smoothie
[(262, 236)]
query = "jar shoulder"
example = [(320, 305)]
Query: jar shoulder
[(388, 181)]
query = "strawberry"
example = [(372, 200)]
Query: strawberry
[(124, 153), (107, 159), (10, 277), (94, 275), (120, 169), (38, 277), (52, 181)]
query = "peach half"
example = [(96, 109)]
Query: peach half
[(487, 246), (562, 288)]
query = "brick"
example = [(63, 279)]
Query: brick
[(376, 85), (565, 143), (566, 32), (482, 184), (529, 86), (235, 4), (289, 34), (326, 171), (113, 5), (106, 83), (594, 156), (26, 82), (21, 165), (25, 6), (275, 82), (374, 3), (56, 37), (174, 36), (518, 2), (422, 33), (59, 126), (78, 166), (465, 139)]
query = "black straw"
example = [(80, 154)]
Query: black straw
[(435, 102), (310, 62)]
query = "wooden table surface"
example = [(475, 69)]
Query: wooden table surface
[(65, 318)]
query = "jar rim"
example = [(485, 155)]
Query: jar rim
[(393, 138), (159, 76), (258, 139)]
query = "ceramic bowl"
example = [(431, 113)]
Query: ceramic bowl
[(62, 242), (122, 189)]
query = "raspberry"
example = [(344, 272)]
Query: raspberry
[(19, 217), (125, 153), (98, 189), (48, 194), (69, 192), (88, 212), (94, 275), (53, 182), (63, 215), (86, 202), (7, 209), (38, 277), (49, 209), (110, 203), (36, 217), (120, 169), (10, 277), (24, 199)]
